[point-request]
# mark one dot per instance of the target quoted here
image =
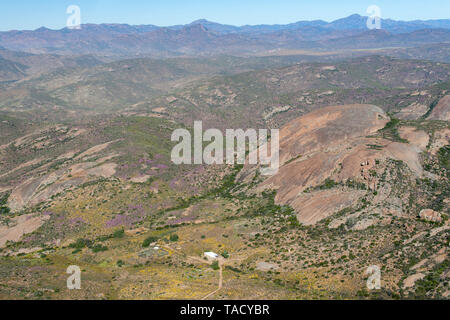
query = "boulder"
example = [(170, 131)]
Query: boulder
[(430, 215)]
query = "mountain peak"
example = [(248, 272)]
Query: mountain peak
[(42, 29), (355, 15), (200, 21)]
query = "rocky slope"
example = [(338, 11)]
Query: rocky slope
[(339, 146), (442, 110)]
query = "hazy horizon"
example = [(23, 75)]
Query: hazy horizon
[(52, 14)]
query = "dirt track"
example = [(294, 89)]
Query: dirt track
[(220, 282)]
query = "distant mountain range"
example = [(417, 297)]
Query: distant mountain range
[(353, 22), (203, 37)]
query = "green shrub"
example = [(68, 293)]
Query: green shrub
[(392, 124), (293, 221), (3, 207), (148, 241), (215, 265), (81, 243), (444, 156), (328, 184), (390, 131), (118, 234), (174, 237), (4, 199), (99, 248)]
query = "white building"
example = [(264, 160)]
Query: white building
[(211, 255)]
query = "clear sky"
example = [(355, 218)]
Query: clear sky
[(32, 14)]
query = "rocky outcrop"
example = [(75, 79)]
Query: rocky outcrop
[(430, 215), (322, 204), (334, 143), (21, 225), (442, 110), (412, 112), (36, 190), (411, 280)]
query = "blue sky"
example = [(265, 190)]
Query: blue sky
[(32, 14)]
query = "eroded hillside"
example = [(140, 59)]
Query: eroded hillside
[(86, 178), (356, 188)]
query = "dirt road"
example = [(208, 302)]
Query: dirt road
[(220, 282)]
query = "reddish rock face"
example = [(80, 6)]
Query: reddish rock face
[(333, 143)]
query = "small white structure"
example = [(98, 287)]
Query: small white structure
[(211, 255)]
